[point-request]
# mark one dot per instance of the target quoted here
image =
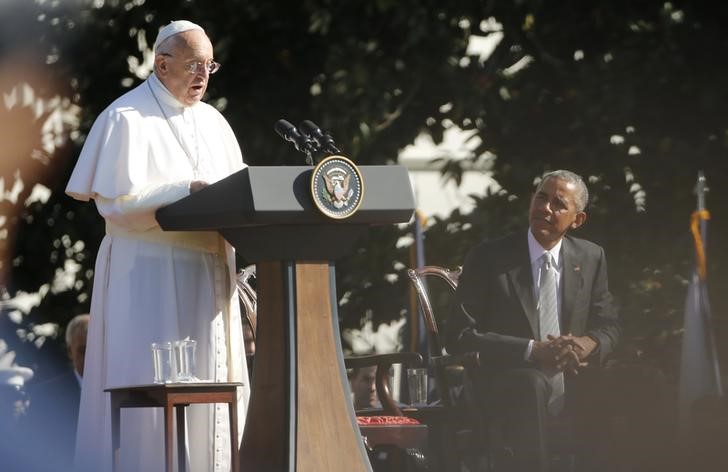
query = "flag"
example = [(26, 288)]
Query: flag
[(699, 369)]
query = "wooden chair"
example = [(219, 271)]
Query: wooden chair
[(249, 311), (248, 297), (456, 428)]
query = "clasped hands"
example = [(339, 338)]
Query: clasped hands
[(564, 353)]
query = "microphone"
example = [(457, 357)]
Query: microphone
[(289, 133), (324, 141)]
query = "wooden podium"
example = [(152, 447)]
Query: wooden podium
[(300, 416)]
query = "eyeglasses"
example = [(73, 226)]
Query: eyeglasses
[(195, 66)]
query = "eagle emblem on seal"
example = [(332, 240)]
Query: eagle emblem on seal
[(338, 187)]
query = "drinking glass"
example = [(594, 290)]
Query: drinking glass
[(185, 360), (162, 358), (417, 383)]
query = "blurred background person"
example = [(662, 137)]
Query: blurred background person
[(13, 405), (52, 414), (363, 387)]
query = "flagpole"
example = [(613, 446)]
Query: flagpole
[(701, 189), (699, 367)]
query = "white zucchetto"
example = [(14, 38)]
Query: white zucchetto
[(175, 27)]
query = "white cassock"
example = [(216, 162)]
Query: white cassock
[(151, 285)]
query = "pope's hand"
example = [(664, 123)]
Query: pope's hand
[(197, 185)]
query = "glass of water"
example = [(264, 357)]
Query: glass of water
[(417, 383), (184, 350), (162, 358)]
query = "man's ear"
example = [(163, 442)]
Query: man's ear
[(160, 66), (579, 220)]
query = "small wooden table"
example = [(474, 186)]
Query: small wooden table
[(179, 396)]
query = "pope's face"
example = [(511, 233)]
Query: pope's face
[(192, 51), (554, 211)]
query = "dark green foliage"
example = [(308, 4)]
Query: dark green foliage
[(605, 79)]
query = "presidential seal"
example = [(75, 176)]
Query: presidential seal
[(337, 187)]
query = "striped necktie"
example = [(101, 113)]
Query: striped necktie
[(549, 324)]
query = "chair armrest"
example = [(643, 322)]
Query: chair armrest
[(385, 360), (454, 374), (467, 360)]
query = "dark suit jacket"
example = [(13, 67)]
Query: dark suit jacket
[(495, 309), (50, 424)]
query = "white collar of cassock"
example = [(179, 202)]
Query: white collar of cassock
[(164, 95)]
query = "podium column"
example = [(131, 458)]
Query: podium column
[(300, 417)]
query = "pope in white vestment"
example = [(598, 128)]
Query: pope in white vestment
[(146, 150)]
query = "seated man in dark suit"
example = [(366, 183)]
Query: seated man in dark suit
[(536, 306), (54, 404)]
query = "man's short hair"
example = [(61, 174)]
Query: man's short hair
[(78, 324), (582, 193)]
